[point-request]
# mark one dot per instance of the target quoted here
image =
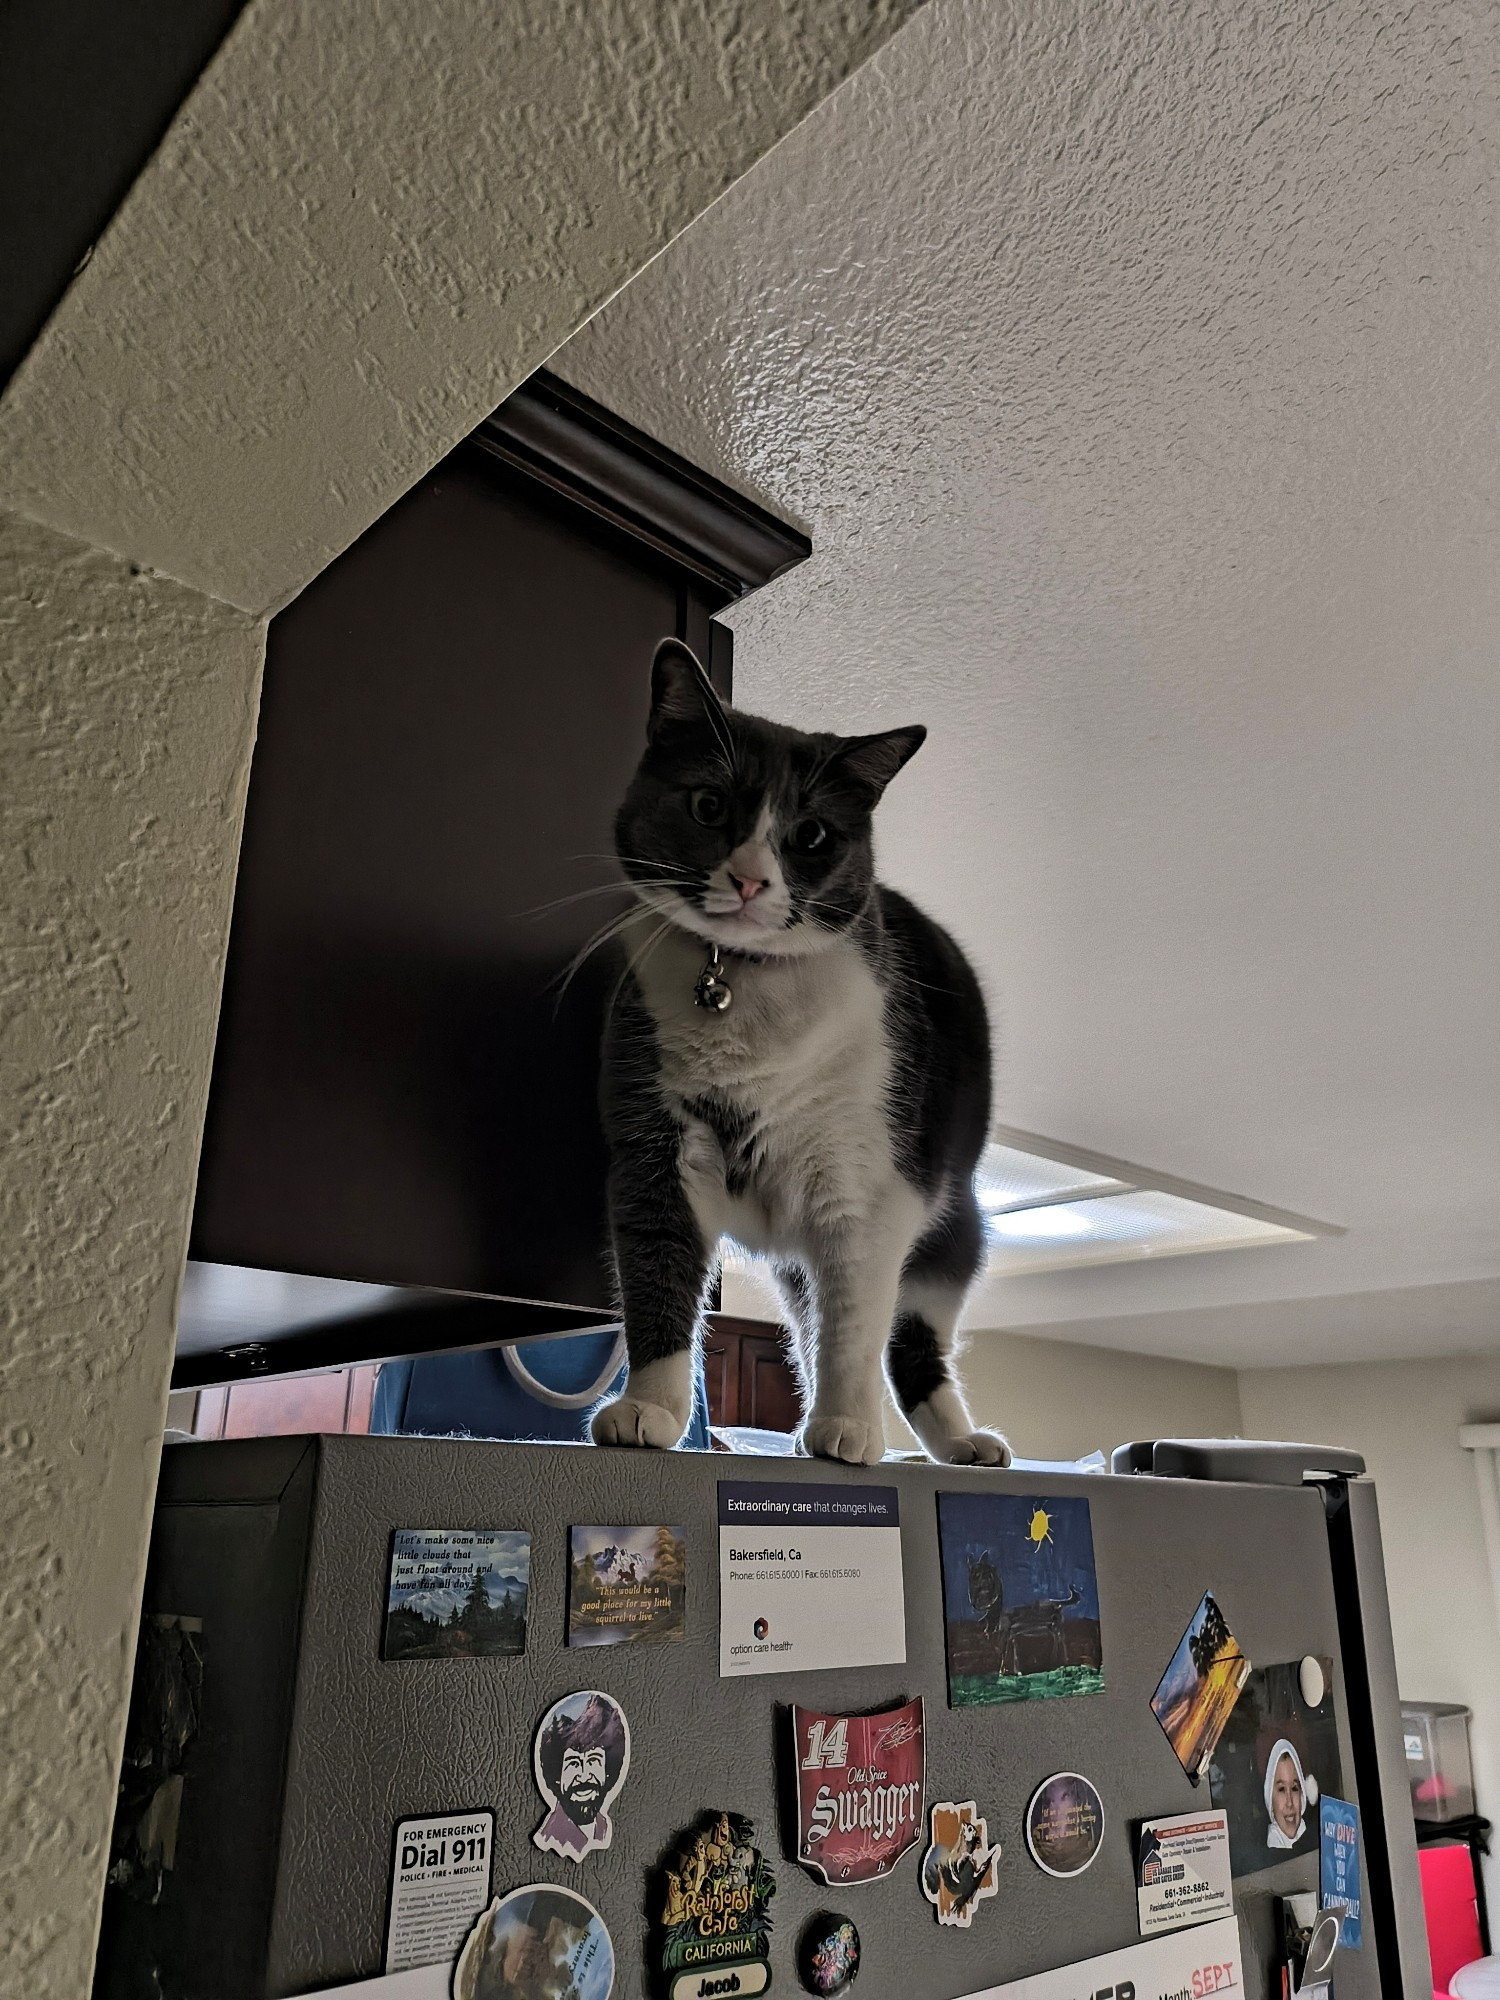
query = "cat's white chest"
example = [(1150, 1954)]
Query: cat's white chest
[(783, 1095)]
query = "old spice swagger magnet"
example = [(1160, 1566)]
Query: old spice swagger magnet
[(859, 1790), (715, 1921)]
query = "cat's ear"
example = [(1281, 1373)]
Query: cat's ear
[(870, 762), (680, 690)]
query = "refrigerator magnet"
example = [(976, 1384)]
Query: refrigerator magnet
[(539, 1939), (859, 1790), (581, 1757), (960, 1866), (714, 1922), (626, 1585), (1064, 1824), (1197, 1693), (456, 1594), (828, 1956), (1020, 1597)]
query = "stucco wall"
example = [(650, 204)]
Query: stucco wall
[(1061, 1399), (367, 225), (1405, 1417), (127, 711)]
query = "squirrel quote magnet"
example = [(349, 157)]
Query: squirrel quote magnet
[(581, 1758)]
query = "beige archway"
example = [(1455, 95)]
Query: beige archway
[(366, 225)]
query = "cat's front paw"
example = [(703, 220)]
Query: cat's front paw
[(848, 1438), (978, 1448), (627, 1421)]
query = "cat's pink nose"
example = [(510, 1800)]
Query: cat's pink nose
[(747, 885)]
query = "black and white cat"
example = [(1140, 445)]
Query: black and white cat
[(818, 1090)]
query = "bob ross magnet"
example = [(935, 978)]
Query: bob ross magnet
[(958, 1869), (859, 1790), (581, 1757)]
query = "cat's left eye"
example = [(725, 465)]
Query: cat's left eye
[(708, 807), (808, 836)]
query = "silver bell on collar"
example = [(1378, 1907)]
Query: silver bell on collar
[(713, 990)]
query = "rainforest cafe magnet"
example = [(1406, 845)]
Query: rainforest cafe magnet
[(715, 1920), (958, 1869), (859, 1790)]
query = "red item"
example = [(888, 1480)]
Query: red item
[(859, 1790), (1452, 1916)]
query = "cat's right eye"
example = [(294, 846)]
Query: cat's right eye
[(708, 807)]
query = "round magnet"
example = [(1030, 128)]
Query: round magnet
[(828, 1956), (540, 1939), (1064, 1823), (1314, 1684), (1321, 1946)]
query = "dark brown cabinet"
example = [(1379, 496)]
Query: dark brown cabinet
[(405, 1079)]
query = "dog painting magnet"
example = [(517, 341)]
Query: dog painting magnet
[(581, 1757), (959, 1868), (1020, 1598)]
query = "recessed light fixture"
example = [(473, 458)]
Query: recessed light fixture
[(1051, 1207), (1027, 1225)]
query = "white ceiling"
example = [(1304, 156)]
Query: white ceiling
[(1135, 373)]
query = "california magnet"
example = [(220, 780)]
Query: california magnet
[(581, 1757), (828, 1956), (537, 1940), (1064, 1823), (958, 1869), (715, 1915), (859, 1790)]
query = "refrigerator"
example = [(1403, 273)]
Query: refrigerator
[(276, 1750)]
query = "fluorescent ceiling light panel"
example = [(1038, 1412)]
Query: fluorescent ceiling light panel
[(1050, 1207), (1010, 1178)]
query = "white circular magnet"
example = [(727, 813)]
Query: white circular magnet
[(1310, 1789), (1313, 1680)]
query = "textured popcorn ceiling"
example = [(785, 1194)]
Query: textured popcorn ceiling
[(1134, 372)]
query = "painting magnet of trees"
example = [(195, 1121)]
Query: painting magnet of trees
[(456, 1594), (626, 1584), (1196, 1695)]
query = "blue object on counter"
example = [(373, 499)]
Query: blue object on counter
[(540, 1392)]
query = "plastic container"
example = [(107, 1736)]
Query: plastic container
[(1436, 1739)]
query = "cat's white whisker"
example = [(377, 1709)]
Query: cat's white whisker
[(603, 936)]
